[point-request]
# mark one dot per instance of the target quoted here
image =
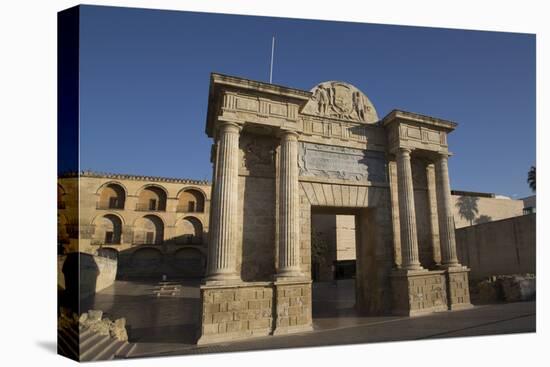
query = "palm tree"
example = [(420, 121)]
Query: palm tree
[(532, 178)]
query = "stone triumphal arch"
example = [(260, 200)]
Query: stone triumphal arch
[(280, 153)]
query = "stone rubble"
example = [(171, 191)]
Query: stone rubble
[(104, 326), (507, 288)]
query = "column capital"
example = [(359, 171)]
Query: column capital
[(229, 127), (288, 134), (405, 151), (443, 155)]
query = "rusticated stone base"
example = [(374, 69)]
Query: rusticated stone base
[(292, 307), (236, 311), (418, 292), (244, 310), (458, 288)]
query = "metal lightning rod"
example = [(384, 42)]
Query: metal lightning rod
[(271, 65)]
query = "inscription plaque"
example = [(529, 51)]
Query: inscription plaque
[(317, 160)]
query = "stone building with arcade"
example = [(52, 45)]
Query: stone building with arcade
[(280, 156), (154, 226)]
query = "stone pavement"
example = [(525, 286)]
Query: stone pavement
[(168, 325)]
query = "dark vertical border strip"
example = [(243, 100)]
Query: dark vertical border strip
[(68, 35)]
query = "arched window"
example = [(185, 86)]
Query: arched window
[(151, 198), (108, 230), (148, 230), (191, 201), (111, 196), (189, 231)]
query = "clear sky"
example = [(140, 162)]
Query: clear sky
[(145, 78)]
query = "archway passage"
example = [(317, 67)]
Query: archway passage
[(334, 242)]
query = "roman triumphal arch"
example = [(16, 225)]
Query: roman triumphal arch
[(280, 153)]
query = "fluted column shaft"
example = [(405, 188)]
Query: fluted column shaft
[(446, 218), (289, 221), (407, 216), (222, 264), (432, 209)]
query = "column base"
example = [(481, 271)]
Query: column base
[(238, 311), (458, 287), (291, 274), (418, 292), (221, 279), (457, 266), (292, 306)]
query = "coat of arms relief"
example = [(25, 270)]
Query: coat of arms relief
[(342, 101)]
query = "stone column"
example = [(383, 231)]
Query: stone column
[(432, 209), (446, 218), (289, 208), (407, 216), (222, 260)]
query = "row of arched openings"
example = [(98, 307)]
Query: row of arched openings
[(150, 198), (147, 230)]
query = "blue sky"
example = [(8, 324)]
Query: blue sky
[(144, 78)]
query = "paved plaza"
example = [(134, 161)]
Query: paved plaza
[(164, 319)]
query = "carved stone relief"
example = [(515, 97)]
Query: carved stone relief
[(333, 162), (340, 100)]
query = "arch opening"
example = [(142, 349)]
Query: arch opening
[(148, 230), (191, 201), (111, 196)]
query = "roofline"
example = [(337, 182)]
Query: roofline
[(123, 176), (265, 87), (417, 117)]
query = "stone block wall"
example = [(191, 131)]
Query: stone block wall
[(244, 310), (458, 289), (234, 312), (416, 293), (293, 307)]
